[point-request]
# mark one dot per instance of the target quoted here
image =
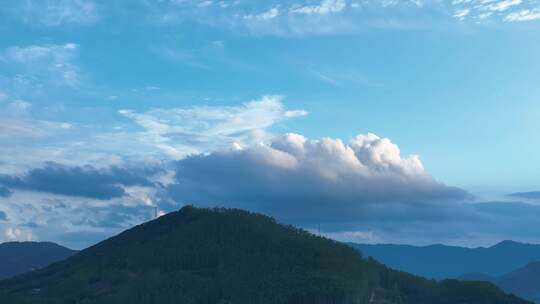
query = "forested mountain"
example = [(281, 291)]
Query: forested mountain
[(440, 261), (20, 257), (524, 281), (231, 256)]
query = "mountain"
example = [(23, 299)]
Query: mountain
[(20, 257), (440, 261), (524, 282), (477, 276), (231, 256)]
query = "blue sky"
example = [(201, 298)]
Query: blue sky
[(109, 109)]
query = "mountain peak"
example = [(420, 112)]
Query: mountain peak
[(508, 244), (21, 257), (230, 256)]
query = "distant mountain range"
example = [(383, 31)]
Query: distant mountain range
[(440, 261), (524, 282), (21, 257), (231, 256)]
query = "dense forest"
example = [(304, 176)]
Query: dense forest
[(231, 256)]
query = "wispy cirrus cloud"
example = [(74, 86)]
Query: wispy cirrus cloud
[(503, 10), (267, 15), (52, 13), (52, 64), (524, 15), (182, 131), (11, 128), (322, 8)]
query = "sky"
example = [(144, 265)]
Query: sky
[(391, 121)]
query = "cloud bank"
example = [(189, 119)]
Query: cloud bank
[(302, 179), (533, 195), (83, 181)]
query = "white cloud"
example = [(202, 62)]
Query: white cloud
[(323, 8), (17, 234), (11, 128), (265, 16), (206, 3), (57, 12), (301, 179), (35, 53), (524, 15), (461, 14), (182, 131), (315, 17), (507, 10), (361, 237), (501, 6), (54, 63), (18, 107)]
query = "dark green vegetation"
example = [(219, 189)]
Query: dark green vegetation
[(524, 282), (231, 256), (428, 261), (21, 257)]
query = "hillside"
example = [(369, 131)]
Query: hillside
[(230, 256), (440, 261), (21, 257), (524, 281)]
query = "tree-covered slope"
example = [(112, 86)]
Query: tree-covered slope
[(21, 257), (230, 256), (524, 282)]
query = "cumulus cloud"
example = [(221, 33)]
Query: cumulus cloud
[(17, 234), (362, 190), (77, 181), (303, 179)]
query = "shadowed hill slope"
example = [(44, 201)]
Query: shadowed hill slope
[(524, 281), (21, 257), (230, 256), (440, 261)]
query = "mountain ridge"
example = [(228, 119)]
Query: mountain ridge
[(524, 282), (231, 256), (425, 261), (21, 257)]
